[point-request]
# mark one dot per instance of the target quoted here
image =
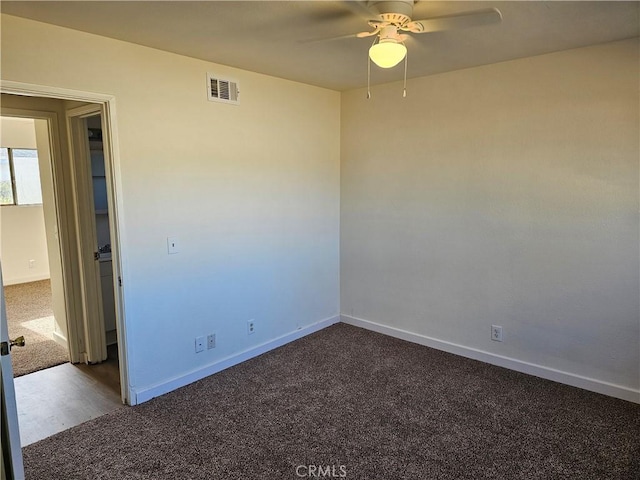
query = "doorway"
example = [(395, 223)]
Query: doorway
[(103, 373), (26, 216)]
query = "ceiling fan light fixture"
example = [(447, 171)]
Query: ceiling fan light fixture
[(387, 53)]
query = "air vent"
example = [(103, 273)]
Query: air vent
[(222, 90)]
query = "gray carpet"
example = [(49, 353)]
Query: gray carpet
[(371, 406), (30, 313)]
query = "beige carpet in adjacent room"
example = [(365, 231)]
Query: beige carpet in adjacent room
[(30, 313)]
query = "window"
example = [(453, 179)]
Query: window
[(19, 177)]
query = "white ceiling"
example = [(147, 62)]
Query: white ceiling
[(273, 37)]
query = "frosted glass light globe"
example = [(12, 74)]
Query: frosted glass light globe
[(387, 54)]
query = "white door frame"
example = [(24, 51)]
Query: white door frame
[(112, 171)]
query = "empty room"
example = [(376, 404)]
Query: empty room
[(345, 239)]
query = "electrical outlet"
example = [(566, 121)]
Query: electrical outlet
[(32, 263), (211, 341), (199, 344), (251, 326), (496, 333)]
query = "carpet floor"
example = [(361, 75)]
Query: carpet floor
[(30, 313), (349, 403)]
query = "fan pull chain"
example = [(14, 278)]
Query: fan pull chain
[(369, 70), (406, 59), (368, 77)]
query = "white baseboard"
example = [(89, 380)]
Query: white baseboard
[(567, 378), (31, 278), (60, 340), (147, 393), (112, 337)]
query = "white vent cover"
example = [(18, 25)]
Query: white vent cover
[(222, 90)]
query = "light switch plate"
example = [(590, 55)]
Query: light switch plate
[(172, 245)]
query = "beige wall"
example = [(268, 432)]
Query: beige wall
[(251, 192), (22, 239), (508, 195), (17, 133), (22, 231)]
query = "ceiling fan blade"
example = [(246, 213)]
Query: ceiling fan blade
[(331, 39), (377, 26), (449, 22), (355, 6), (365, 34), (375, 31), (360, 8)]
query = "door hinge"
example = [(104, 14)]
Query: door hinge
[(4, 348), (119, 281)]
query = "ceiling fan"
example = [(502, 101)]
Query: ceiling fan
[(393, 17)]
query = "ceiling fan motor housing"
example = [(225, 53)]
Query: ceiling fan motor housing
[(395, 18), (397, 12)]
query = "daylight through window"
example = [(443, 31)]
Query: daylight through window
[(19, 177)]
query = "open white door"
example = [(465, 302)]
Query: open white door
[(94, 326), (12, 466)]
